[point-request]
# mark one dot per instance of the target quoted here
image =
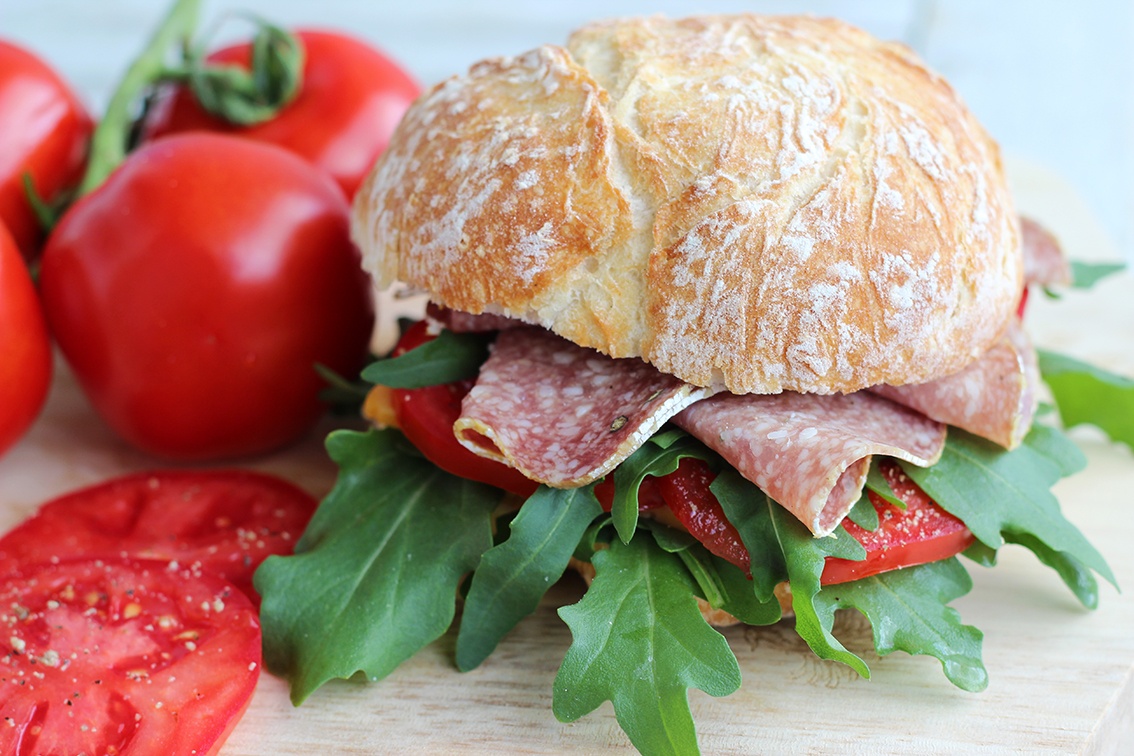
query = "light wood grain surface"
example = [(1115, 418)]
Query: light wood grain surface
[(1062, 679)]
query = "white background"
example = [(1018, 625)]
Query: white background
[(1052, 80)]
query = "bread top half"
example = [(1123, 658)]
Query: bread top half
[(754, 203)]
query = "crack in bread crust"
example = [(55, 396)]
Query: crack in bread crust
[(754, 203)]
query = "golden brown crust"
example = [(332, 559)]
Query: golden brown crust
[(764, 203)]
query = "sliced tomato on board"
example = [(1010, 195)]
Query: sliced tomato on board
[(221, 522), (113, 657), (426, 416)]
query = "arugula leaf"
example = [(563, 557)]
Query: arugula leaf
[(788, 551), (589, 543), (512, 577), (656, 458), (391, 540), (806, 556), (994, 492), (1060, 450), (670, 539), (447, 358), (749, 510), (740, 600), (1086, 394), (722, 584), (876, 482), (1084, 275), (640, 642), (908, 611), (863, 514), (693, 555), (704, 573), (1076, 575)]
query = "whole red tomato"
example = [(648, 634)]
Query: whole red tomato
[(351, 99), (25, 350), (43, 132), (196, 289)]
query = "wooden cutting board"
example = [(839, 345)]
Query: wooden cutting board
[(1062, 678)]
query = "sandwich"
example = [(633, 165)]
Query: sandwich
[(727, 314)]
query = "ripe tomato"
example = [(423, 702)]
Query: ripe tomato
[(922, 533), (195, 290), (120, 657), (686, 493), (44, 131), (351, 99), (426, 417), (219, 522), (25, 366)]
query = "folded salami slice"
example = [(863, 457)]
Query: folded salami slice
[(995, 397), (561, 414), (1044, 263), (810, 452)]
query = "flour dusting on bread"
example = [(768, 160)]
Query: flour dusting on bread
[(754, 203)]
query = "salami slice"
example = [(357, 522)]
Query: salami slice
[(810, 452), (1044, 263), (562, 414), (995, 397)]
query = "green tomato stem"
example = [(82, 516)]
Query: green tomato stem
[(110, 140)]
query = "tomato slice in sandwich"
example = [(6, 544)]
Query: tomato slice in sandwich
[(426, 416), (921, 533)]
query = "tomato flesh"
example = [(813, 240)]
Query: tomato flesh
[(921, 534), (426, 416), (122, 657), (221, 522), (686, 493)]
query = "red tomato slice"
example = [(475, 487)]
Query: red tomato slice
[(649, 497), (921, 534), (686, 492), (426, 417), (115, 657), (221, 522)]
